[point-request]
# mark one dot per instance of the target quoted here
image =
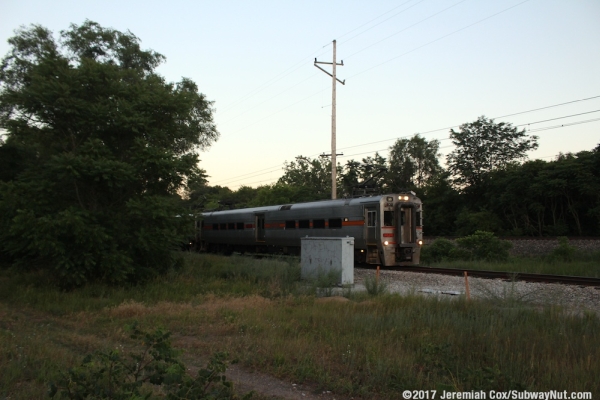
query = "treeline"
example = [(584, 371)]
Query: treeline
[(487, 185)]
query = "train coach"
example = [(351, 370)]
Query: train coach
[(387, 229)]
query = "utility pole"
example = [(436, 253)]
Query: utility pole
[(333, 153)]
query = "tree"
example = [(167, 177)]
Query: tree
[(103, 146), (483, 146), (355, 175), (371, 171), (313, 175), (350, 175), (413, 162)]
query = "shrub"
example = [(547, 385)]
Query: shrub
[(484, 246), (439, 250), (155, 368), (563, 252)]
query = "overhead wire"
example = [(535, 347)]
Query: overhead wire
[(380, 64), (274, 168), (300, 64), (376, 18), (403, 30), (271, 170), (438, 39), (379, 23)]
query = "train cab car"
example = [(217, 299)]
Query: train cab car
[(387, 229)]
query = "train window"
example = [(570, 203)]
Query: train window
[(318, 223), (304, 224), (223, 226), (418, 218), (231, 225), (290, 224), (372, 218), (335, 223), (240, 225), (388, 218), (215, 227)]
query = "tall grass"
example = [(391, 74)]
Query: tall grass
[(261, 313)]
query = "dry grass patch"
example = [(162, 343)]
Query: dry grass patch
[(333, 299), (212, 305)]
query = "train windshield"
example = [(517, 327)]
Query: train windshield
[(388, 218)]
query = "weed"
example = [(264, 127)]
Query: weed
[(374, 286), (563, 252)]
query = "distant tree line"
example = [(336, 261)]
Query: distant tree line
[(488, 184)]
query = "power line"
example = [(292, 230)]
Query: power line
[(405, 29), (368, 22), (379, 23), (445, 147), (563, 125), (272, 169), (438, 39), (544, 108), (385, 62), (301, 63), (554, 119)]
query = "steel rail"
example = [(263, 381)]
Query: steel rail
[(511, 276)]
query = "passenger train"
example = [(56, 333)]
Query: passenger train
[(387, 229)]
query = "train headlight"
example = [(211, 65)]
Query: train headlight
[(386, 243), (403, 198)]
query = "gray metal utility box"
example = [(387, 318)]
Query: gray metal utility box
[(322, 255)]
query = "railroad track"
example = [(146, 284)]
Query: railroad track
[(511, 276)]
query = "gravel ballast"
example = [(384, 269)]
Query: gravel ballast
[(572, 297)]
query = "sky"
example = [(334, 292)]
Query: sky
[(410, 66)]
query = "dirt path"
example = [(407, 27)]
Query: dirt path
[(274, 388)]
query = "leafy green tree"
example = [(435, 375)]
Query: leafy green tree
[(484, 146), (412, 163), (103, 146), (312, 174), (281, 193), (349, 177), (370, 170), (441, 203)]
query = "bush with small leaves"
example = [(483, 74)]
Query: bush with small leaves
[(439, 250), (563, 252), (153, 372), (484, 246)]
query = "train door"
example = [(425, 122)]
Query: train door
[(372, 235), (260, 227), (407, 226), (372, 224)]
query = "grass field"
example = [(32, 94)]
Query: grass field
[(267, 319)]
